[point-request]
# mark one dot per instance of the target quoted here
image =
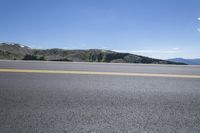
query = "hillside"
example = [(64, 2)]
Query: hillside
[(13, 51)]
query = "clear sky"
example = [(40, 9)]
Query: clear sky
[(155, 28)]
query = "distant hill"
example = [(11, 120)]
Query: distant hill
[(186, 61), (14, 51)]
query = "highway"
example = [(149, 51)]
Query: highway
[(66, 97)]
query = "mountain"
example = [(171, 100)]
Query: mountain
[(14, 51), (186, 61)]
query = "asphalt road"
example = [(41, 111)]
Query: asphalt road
[(89, 103)]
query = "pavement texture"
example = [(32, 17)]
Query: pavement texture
[(73, 103)]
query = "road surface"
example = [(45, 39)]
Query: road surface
[(54, 97)]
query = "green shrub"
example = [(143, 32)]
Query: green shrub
[(33, 57)]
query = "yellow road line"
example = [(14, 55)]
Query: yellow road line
[(99, 73)]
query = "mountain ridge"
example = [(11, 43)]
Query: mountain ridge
[(15, 51), (186, 61)]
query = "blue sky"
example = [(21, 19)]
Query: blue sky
[(155, 28)]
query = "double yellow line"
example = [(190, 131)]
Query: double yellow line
[(99, 73)]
